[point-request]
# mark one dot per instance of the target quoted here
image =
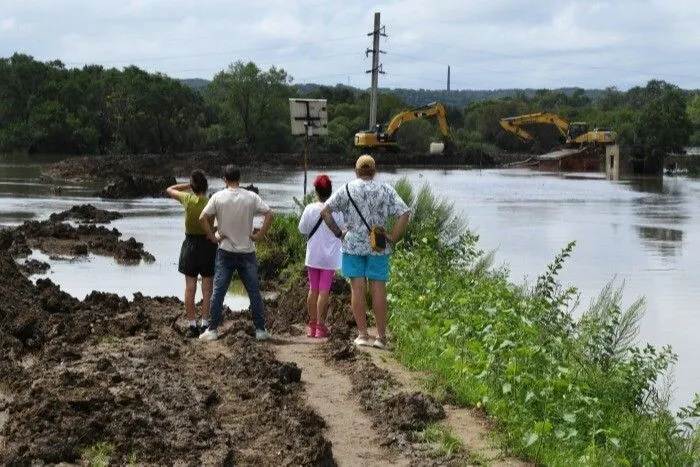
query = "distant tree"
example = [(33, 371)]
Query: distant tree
[(694, 116), (253, 105), (663, 123)]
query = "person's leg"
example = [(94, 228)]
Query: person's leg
[(378, 274), (207, 287), (190, 290), (208, 269), (378, 291), (353, 267), (358, 304), (222, 279), (247, 266), (324, 287), (311, 300)]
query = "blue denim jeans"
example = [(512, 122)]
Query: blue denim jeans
[(246, 264)]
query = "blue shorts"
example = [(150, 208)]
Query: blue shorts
[(373, 267)]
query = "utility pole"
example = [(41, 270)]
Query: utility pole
[(448, 77), (379, 30)]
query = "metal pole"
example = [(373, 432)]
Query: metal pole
[(375, 72), (306, 160)]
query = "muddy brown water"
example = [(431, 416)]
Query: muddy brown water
[(645, 233)]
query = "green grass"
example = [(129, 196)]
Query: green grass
[(98, 454), (445, 442)]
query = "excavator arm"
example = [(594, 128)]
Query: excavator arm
[(386, 139), (515, 124), (434, 109)]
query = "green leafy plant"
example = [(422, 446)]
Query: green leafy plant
[(98, 454)]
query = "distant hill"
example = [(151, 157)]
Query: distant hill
[(196, 83), (456, 98), (417, 97)]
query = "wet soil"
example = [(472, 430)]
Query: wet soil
[(115, 375), (137, 186), (61, 240), (86, 213)]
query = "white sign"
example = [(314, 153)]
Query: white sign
[(308, 116)]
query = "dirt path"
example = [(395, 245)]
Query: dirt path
[(328, 392), (354, 439)]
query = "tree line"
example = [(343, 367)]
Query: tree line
[(47, 108)]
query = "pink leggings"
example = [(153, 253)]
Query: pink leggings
[(320, 279)]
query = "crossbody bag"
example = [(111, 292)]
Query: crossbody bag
[(377, 233), (313, 231)]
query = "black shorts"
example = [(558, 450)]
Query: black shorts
[(197, 256)]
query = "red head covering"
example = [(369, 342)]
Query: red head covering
[(322, 181)]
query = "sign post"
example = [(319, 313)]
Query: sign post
[(309, 117)]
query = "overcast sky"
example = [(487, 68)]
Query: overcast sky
[(490, 44)]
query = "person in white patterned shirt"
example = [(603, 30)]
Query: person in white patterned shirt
[(376, 202)]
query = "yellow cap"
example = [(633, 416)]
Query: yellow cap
[(365, 161)]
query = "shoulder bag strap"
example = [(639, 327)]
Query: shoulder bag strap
[(356, 208), (313, 231)]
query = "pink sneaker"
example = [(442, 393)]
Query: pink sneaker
[(311, 330), (321, 331)]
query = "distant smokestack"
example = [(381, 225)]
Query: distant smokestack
[(448, 77)]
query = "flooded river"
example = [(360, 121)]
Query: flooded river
[(645, 234)]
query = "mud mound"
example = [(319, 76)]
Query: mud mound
[(62, 239), (20, 313), (413, 411), (32, 266), (114, 378), (86, 213), (139, 186)]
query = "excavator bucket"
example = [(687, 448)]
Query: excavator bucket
[(437, 148)]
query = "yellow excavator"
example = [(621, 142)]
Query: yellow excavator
[(385, 138), (574, 134)]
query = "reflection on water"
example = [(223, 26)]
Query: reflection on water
[(667, 242), (643, 232)]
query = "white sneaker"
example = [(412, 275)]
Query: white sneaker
[(362, 340), (209, 335), (262, 334), (380, 343)]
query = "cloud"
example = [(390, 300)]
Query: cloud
[(488, 43)]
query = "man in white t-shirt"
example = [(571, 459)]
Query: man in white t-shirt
[(234, 209)]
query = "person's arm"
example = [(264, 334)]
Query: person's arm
[(267, 222), (206, 220), (399, 227), (178, 191), (207, 223), (397, 208), (327, 216)]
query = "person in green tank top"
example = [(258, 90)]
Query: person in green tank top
[(197, 254)]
